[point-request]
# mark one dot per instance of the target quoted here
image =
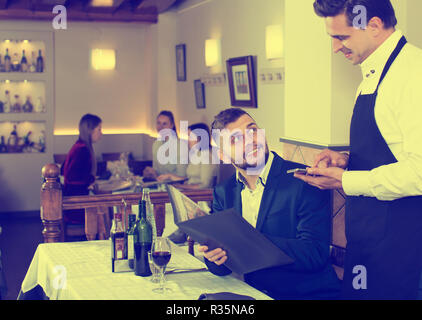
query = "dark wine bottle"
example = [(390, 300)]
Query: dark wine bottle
[(40, 62), (7, 62), (24, 62), (142, 239), (118, 237), (130, 244)]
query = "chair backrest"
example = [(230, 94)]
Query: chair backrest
[(111, 156), (59, 158)]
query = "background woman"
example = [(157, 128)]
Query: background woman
[(80, 167), (165, 120)]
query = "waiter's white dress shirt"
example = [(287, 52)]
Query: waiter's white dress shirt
[(251, 199), (398, 114)]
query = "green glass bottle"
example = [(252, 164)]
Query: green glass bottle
[(130, 244), (142, 239)]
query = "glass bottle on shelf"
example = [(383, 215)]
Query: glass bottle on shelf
[(7, 62), (1, 65), (40, 62), (24, 62), (28, 106), (41, 142), (17, 106), (33, 66), (39, 106), (13, 139), (1, 106), (16, 66), (27, 143), (7, 104)]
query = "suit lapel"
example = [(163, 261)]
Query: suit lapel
[(274, 178)]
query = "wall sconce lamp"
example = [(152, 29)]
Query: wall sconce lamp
[(274, 42), (103, 59), (212, 52), (102, 3)]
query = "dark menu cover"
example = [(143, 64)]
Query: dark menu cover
[(247, 249)]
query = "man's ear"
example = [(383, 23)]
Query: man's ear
[(375, 26)]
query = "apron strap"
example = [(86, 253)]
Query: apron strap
[(393, 57)]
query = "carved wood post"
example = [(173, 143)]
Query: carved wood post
[(51, 204)]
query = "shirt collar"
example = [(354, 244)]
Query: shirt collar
[(374, 64), (263, 176)]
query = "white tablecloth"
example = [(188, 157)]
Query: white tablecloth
[(82, 270)]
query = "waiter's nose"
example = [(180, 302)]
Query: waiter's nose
[(337, 45)]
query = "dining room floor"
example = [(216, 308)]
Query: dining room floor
[(21, 234)]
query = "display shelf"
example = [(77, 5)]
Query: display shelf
[(24, 96), (22, 136)]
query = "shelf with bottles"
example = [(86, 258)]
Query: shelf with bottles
[(22, 96), (22, 56), (22, 136)]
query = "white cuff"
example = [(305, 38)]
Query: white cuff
[(356, 183)]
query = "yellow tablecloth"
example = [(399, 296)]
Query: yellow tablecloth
[(82, 271)]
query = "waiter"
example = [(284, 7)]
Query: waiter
[(382, 177)]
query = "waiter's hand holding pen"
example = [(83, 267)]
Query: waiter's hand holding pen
[(327, 170)]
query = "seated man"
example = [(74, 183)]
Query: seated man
[(293, 215)]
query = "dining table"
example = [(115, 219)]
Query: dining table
[(83, 271)]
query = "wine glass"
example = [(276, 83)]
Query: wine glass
[(161, 254)]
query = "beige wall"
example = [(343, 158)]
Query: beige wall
[(240, 24)]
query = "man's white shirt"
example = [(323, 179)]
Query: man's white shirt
[(398, 114)]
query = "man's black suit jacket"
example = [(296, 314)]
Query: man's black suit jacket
[(297, 218)]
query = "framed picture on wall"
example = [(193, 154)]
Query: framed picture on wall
[(241, 77), (181, 62), (199, 89)]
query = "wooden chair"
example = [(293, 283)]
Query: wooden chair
[(59, 158), (96, 207), (111, 156)]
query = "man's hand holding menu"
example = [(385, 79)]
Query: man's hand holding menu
[(218, 256)]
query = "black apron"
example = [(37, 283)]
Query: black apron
[(385, 237)]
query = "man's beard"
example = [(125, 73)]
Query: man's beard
[(254, 167)]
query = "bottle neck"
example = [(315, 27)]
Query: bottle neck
[(142, 209), (117, 221)]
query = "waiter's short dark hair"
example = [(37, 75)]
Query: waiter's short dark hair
[(382, 9), (227, 116)]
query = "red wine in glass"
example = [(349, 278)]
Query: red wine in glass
[(161, 258)]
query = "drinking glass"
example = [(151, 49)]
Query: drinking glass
[(155, 270), (161, 254)]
